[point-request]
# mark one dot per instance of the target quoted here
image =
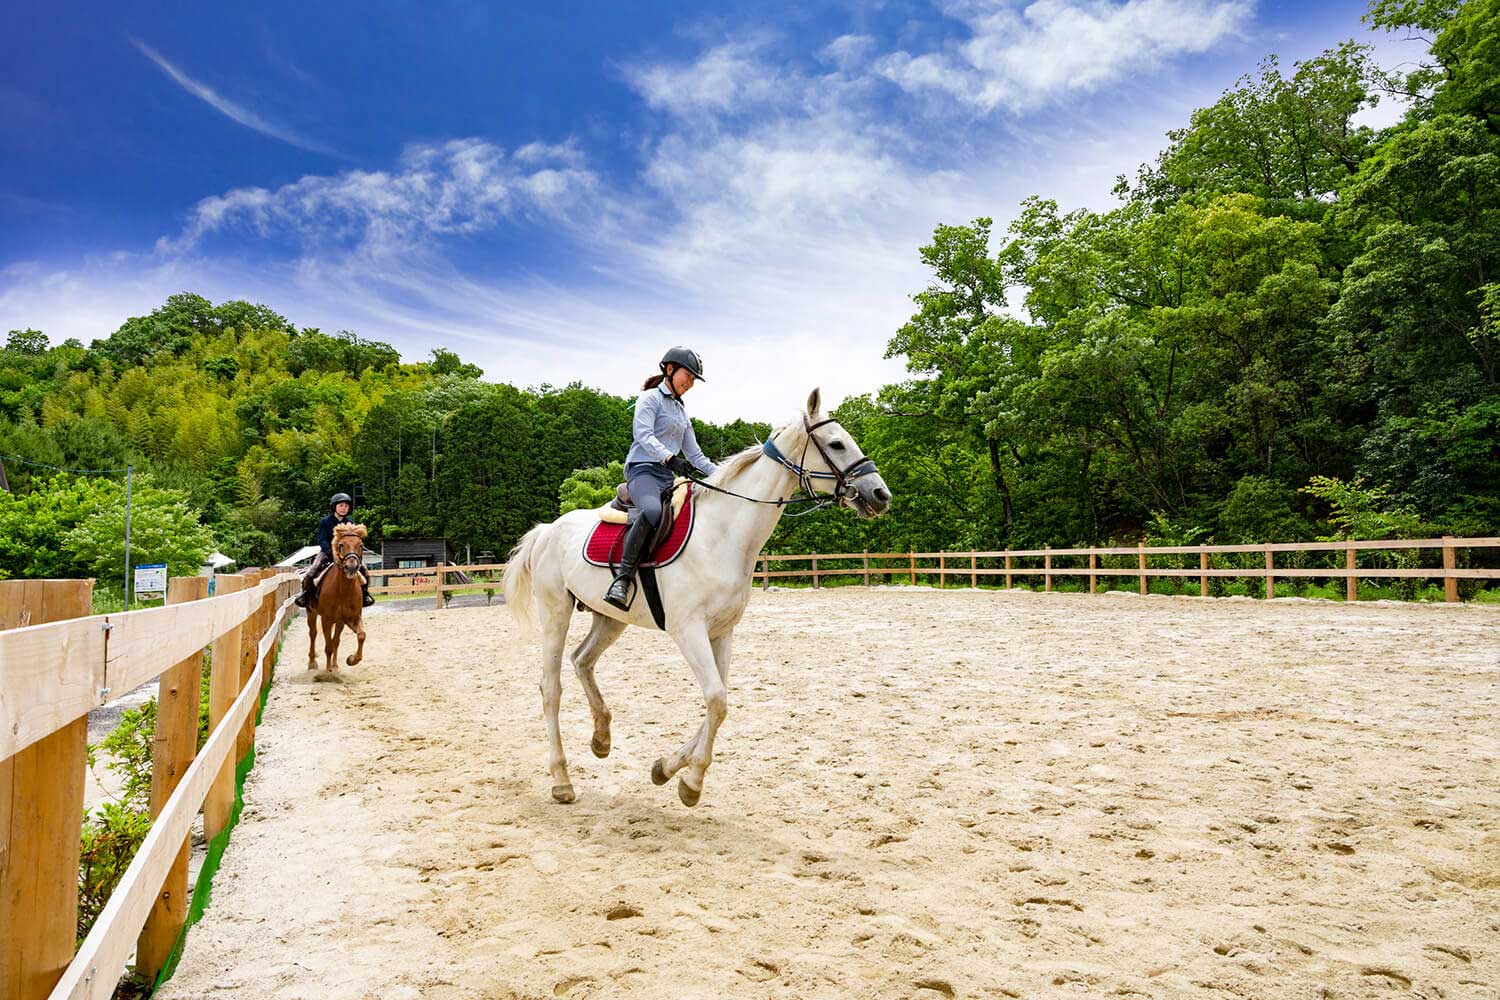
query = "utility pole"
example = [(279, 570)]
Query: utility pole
[(129, 472), (4, 483)]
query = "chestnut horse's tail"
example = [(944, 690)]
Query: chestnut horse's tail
[(518, 595)]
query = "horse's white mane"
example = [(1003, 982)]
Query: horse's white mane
[(741, 460)]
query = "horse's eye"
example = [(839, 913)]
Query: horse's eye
[(839, 445)]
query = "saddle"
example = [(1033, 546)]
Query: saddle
[(606, 541), (617, 511)]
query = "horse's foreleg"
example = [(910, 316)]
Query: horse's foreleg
[(601, 635), (331, 633), (359, 633), (312, 639), (697, 754), (554, 637)]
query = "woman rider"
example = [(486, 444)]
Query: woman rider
[(661, 430), (339, 508)]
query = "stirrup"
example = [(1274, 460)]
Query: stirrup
[(623, 603)]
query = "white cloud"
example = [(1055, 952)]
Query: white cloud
[(230, 109), (1051, 48), (729, 78), (456, 187)]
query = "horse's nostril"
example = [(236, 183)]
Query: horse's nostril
[(882, 494)]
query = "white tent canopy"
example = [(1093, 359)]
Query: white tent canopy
[(217, 561), (302, 555)]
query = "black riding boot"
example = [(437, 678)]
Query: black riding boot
[(309, 592), (636, 537), (364, 583)]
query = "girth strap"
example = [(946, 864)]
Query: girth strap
[(647, 577)]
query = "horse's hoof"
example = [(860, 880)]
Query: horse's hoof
[(658, 773), (351, 662), (687, 793), (600, 747), (563, 793)]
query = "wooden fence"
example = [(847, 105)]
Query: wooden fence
[(57, 663), (1281, 560), (1050, 564)]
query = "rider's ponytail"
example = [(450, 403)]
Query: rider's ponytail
[(652, 382)]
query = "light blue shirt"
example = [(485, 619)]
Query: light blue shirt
[(662, 429)]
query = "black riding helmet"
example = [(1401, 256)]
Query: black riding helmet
[(686, 358), (339, 498)]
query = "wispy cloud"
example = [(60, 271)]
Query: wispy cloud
[(437, 189), (235, 112)]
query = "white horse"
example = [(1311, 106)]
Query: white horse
[(705, 590)]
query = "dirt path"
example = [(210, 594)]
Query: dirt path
[(918, 794)]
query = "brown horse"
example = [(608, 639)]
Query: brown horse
[(340, 599)]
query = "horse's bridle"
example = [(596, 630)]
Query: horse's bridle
[(843, 487), (344, 558)]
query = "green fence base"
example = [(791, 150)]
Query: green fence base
[(203, 888)]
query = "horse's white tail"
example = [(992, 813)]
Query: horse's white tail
[(518, 596)]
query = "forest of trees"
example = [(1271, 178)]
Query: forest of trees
[(1284, 308)]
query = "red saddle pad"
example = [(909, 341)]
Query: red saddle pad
[(605, 541)]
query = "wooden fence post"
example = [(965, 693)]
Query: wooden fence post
[(765, 579), (268, 608), (1142, 567), (1007, 571), (1047, 575), (174, 749), (913, 568), (41, 812), (1203, 590), (223, 688), (817, 581), (942, 570), (973, 570), (249, 647), (1270, 576), (437, 587), (1450, 561), (867, 567), (1351, 581), (1093, 565)]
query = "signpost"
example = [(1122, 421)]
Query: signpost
[(151, 581)]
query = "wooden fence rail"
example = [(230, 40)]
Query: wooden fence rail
[(52, 673), (966, 564), (1046, 563)]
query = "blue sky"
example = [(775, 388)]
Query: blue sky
[(561, 191)]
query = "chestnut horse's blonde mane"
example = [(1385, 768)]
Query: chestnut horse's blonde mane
[(341, 530)]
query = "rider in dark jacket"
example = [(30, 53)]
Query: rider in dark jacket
[(339, 508)]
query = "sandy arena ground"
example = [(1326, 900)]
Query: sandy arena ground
[(917, 794)]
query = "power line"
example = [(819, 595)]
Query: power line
[(58, 468)]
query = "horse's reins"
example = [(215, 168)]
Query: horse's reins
[(861, 466)]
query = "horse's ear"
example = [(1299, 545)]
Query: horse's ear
[(815, 402), (361, 530)]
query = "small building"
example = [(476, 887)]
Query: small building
[(412, 553)]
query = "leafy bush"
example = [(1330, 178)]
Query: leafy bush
[(113, 834)]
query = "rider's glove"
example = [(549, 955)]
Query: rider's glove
[(681, 466)]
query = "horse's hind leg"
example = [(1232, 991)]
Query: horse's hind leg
[(601, 636), (554, 637), (312, 639)]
